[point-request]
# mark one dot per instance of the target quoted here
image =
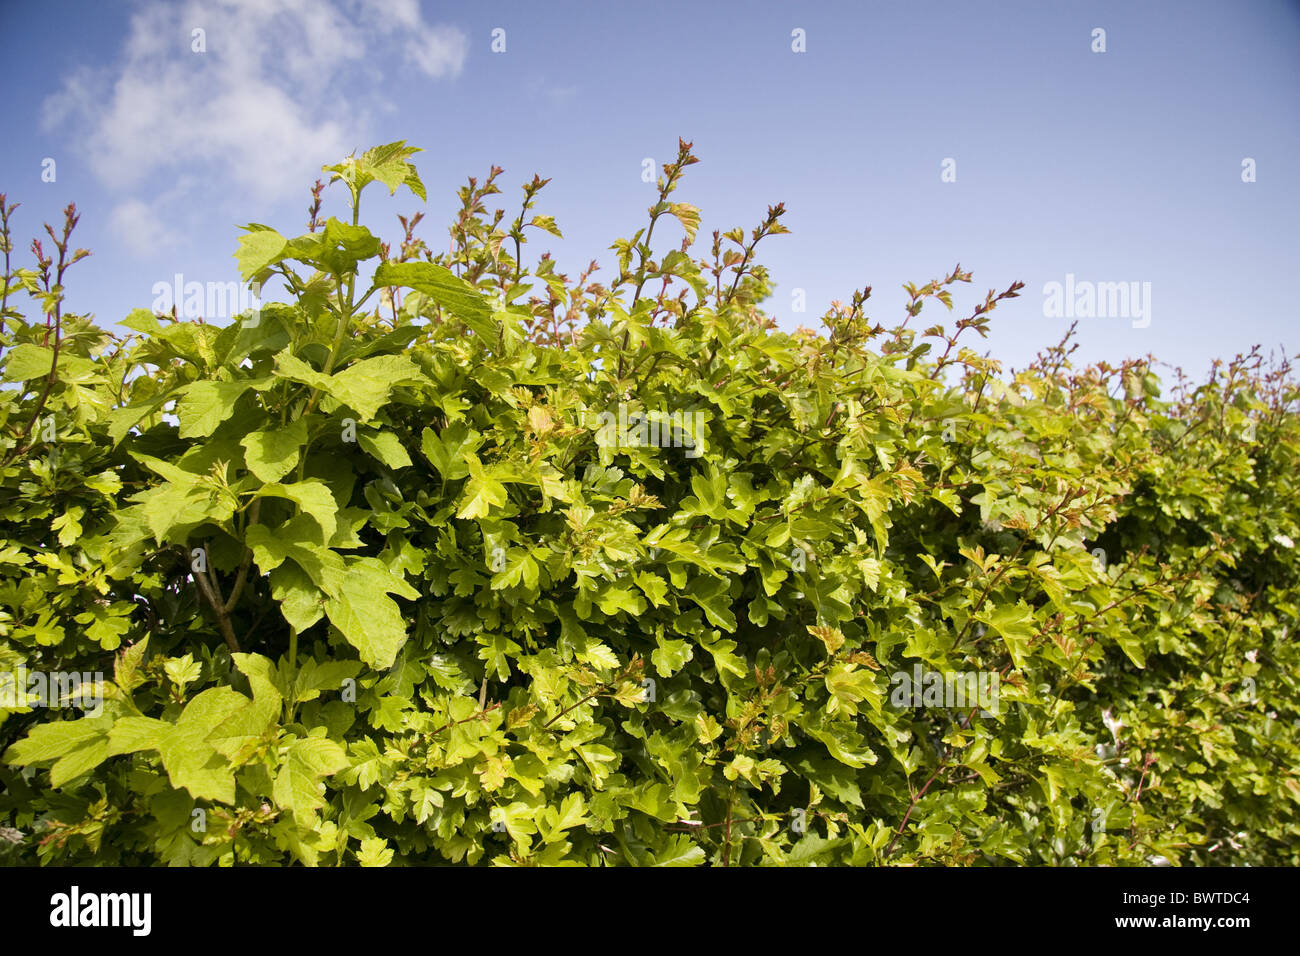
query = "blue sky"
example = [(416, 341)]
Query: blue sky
[(1115, 167)]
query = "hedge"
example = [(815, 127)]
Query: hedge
[(452, 559)]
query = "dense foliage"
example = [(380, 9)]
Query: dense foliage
[(451, 558)]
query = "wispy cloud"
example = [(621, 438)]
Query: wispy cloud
[(138, 227), (262, 106), (541, 89)]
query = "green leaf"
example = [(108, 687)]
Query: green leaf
[(482, 492), (724, 658), (364, 386), (190, 761), (671, 655), (126, 668), (1132, 647), (496, 651), (315, 676), (122, 420), (444, 288), (246, 727), (688, 216), (713, 595), (206, 404), (385, 446), (848, 687), (368, 618), (520, 568), (337, 248), (843, 741), (259, 249), (142, 320), (679, 851), (449, 450), (26, 362), (387, 164), (301, 601), (710, 495), (297, 781), (836, 779), (653, 587), (182, 671), (273, 452), (81, 760), (299, 539), (313, 496), (374, 852), (76, 746), (1015, 624)]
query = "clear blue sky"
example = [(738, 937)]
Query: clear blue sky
[(1123, 166)]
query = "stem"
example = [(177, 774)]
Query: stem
[(242, 578), (912, 806), (218, 608), (346, 312), (5, 212), (45, 392), (456, 723), (726, 858), (590, 696)]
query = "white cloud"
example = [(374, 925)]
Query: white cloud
[(260, 110), (403, 13), (139, 228), (438, 51), (540, 88)]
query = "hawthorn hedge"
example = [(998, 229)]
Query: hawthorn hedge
[(450, 558)]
